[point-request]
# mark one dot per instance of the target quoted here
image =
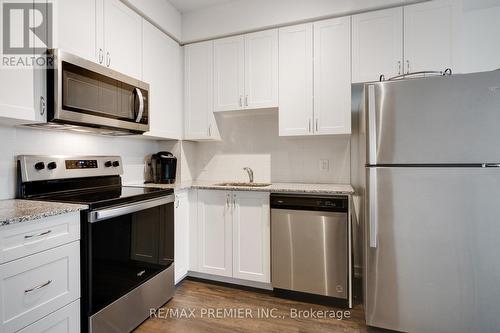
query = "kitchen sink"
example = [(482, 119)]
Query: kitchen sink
[(244, 184)]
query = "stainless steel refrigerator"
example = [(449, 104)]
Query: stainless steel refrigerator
[(428, 151)]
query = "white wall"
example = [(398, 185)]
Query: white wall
[(243, 15), (253, 141), (162, 13), (18, 141)]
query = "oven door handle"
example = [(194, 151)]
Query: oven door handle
[(108, 213)]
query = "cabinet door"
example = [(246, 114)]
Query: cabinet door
[(251, 236), (75, 28), (261, 70), (162, 70), (332, 76), (296, 80), (215, 255), (229, 71), (377, 45), (181, 231), (122, 38), (432, 36), (198, 89)]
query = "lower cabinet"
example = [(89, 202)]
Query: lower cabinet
[(234, 234), (181, 227), (65, 320)]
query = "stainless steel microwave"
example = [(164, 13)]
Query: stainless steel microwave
[(84, 94)]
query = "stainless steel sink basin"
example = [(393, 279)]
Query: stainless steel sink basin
[(244, 184)]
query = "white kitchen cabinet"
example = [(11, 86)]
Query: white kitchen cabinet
[(296, 80), (119, 35), (332, 76), (432, 38), (215, 253), (261, 69), (162, 70), (377, 45), (181, 230), (75, 27), (229, 72), (251, 236), (233, 233), (199, 120), (246, 71), (315, 92), (65, 320)]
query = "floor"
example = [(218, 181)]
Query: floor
[(199, 307)]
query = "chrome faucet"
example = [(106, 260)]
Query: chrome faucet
[(250, 173)]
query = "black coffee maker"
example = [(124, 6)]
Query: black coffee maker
[(163, 167)]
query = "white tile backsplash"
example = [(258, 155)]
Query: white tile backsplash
[(27, 141), (252, 140)]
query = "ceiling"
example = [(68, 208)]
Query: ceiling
[(185, 6)]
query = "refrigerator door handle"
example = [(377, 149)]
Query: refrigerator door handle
[(373, 203), (372, 126)]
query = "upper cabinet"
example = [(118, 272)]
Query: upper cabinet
[(432, 36), (428, 40), (119, 37), (162, 69), (377, 44), (199, 120), (315, 91), (246, 71)]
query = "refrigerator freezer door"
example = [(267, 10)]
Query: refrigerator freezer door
[(435, 120), (435, 266)]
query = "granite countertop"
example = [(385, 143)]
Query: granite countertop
[(273, 188), (16, 211)]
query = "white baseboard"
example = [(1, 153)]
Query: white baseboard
[(225, 279)]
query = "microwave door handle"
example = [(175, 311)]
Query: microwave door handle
[(141, 105)]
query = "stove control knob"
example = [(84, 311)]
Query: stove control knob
[(108, 164), (39, 166), (51, 165), (116, 164)]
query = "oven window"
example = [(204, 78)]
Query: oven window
[(129, 250), (87, 92)]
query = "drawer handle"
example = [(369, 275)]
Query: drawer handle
[(141, 273), (38, 235), (27, 291)]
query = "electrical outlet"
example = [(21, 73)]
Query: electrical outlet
[(324, 165)]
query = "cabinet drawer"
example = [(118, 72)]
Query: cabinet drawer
[(65, 320), (37, 285), (20, 240)]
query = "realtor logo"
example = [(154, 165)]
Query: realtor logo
[(27, 27)]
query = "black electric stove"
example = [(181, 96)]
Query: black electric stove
[(127, 235)]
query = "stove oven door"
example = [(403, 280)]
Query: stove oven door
[(130, 252)]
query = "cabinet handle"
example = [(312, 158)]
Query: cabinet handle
[(38, 287), (176, 201), (241, 101), (309, 125), (399, 67), (38, 235), (42, 105), (407, 66), (210, 130), (101, 56), (227, 200), (317, 125), (108, 59), (246, 100), (234, 201)]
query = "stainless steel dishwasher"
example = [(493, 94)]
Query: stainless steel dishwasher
[(311, 245)]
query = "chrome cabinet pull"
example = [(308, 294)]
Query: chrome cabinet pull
[(42, 105), (407, 66), (108, 59), (228, 200), (210, 130), (399, 67), (309, 125), (38, 235), (234, 201), (241, 101), (246, 100), (27, 291), (317, 125), (101, 56), (176, 201)]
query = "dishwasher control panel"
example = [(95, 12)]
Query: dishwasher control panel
[(310, 202)]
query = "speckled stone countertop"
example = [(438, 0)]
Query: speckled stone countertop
[(16, 211), (273, 188)]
